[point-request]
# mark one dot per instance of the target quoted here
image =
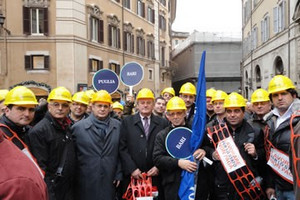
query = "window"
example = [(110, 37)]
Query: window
[(114, 36), (150, 74), (126, 3), (115, 67), (128, 42), (95, 64), (96, 29), (35, 21), (140, 46), (163, 2), (254, 38), (162, 22), (150, 49), (162, 56), (36, 62), (141, 8), (265, 29), (279, 68), (163, 76), (150, 15), (279, 17)]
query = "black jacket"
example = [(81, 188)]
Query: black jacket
[(281, 139), (47, 141), (243, 134)]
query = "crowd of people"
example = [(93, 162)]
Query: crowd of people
[(85, 146)]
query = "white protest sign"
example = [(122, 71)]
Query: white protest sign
[(280, 163), (230, 155)]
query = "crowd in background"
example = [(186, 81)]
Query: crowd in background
[(84, 146)]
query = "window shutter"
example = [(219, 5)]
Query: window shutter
[(143, 9), (26, 21), (144, 46), (100, 64), (283, 15), (109, 35), (119, 38), (275, 19), (90, 65), (101, 31), (262, 30), (46, 24), (46, 62), (28, 62), (91, 29), (118, 70), (125, 41), (267, 28), (137, 46), (153, 16), (132, 43)]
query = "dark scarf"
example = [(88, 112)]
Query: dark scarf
[(64, 123), (101, 125)]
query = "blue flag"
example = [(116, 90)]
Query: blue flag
[(187, 185)]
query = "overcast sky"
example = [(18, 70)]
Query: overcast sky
[(208, 16)]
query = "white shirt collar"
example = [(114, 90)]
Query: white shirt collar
[(282, 118)]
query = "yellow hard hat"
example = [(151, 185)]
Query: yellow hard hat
[(176, 103), (20, 95), (117, 105), (90, 93), (280, 83), (3, 94), (260, 95), (219, 95), (188, 88), (145, 93), (81, 97), (234, 100), (102, 96), (169, 90), (60, 93), (210, 92)]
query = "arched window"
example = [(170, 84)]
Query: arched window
[(258, 76), (279, 68)]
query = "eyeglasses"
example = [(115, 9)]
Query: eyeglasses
[(58, 105), (102, 106)]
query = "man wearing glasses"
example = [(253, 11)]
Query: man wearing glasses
[(52, 145), (78, 107), (96, 140)]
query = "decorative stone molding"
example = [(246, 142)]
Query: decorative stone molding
[(150, 2), (163, 43), (33, 84), (36, 3), (161, 12), (150, 37), (128, 27), (94, 11), (140, 32), (113, 20)]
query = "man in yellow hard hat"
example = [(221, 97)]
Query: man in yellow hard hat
[(284, 97), (170, 167), (97, 149), (261, 105), (3, 94), (247, 139), (217, 101), (117, 109), (210, 114), (78, 107), (159, 106), (188, 93), (168, 93), (90, 94), (52, 145), (20, 105), (137, 140)]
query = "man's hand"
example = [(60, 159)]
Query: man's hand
[(215, 155), (250, 149), (187, 165), (116, 183), (270, 192), (199, 154), (153, 171), (137, 174)]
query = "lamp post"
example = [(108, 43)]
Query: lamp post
[(2, 19)]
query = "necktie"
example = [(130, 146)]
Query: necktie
[(146, 126)]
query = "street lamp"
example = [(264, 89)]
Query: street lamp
[(2, 19)]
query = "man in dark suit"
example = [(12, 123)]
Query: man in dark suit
[(137, 138)]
